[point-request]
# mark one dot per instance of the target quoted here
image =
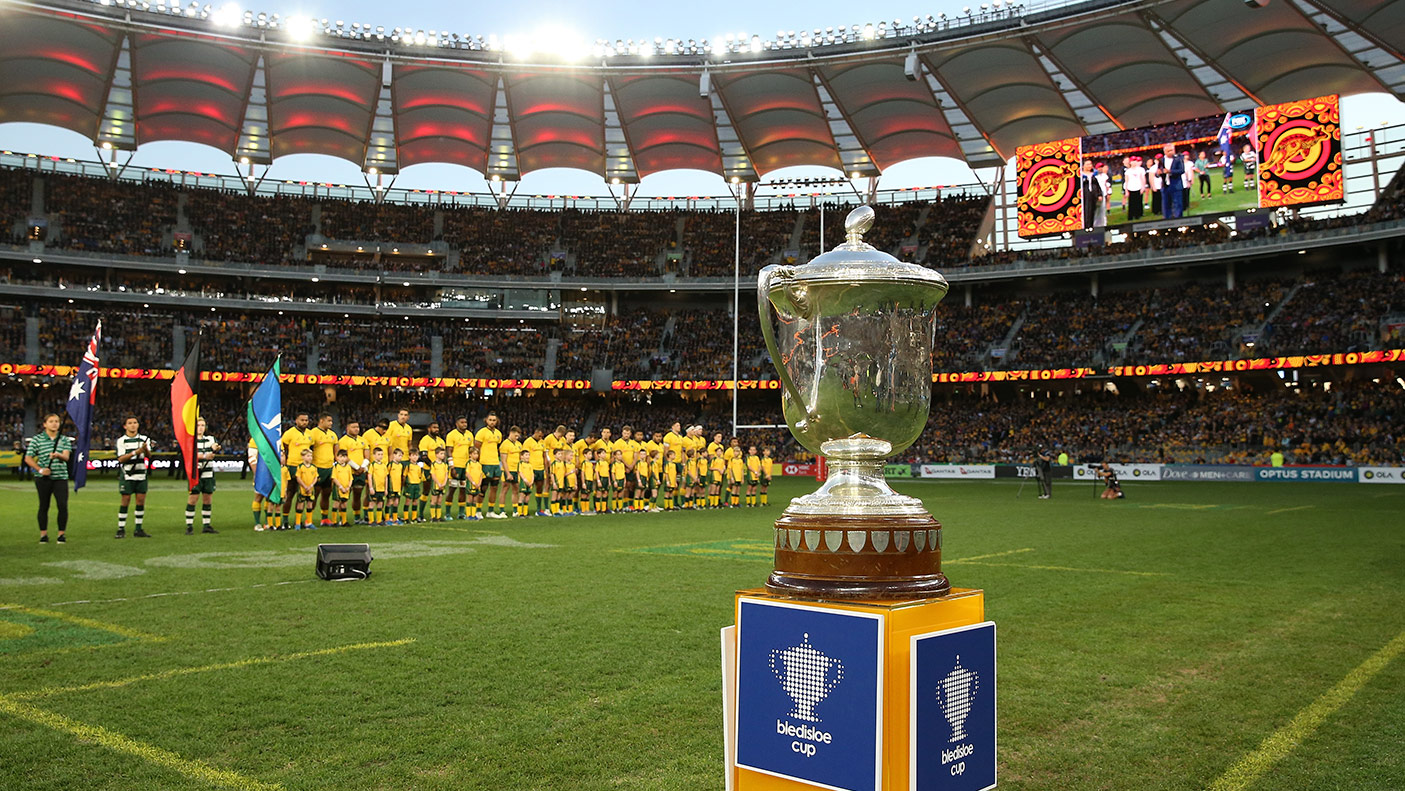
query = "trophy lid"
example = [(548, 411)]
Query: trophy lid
[(855, 260)]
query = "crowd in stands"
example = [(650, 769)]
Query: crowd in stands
[(238, 227), (239, 342), (102, 216), (1191, 321), (1352, 423), (1338, 312), (504, 351), (617, 244), (965, 334), (1074, 329), (1150, 137), (501, 241), (710, 241), (378, 222), (12, 333), (381, 348), (16, 193), (951, 228)]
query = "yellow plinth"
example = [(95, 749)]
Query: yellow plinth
[(901, 620)]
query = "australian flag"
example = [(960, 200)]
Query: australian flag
[(1225, 136), (81, 398)]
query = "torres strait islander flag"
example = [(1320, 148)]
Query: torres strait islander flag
[(184, 408), (81, 398), (264, 414)]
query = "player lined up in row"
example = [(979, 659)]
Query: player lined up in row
[(379, 477)]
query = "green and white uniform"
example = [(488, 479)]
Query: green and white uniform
[(132, 473), (204, 469)]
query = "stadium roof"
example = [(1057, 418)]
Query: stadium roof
[(123, 77)]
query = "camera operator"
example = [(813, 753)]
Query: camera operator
[(1113, 490), (1042, 465)]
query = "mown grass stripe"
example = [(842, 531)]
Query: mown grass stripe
[(117, 742), (185, 671), (1283, 741), (1069, 568)]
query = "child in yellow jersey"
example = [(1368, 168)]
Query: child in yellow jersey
[(717, 471), (602, 481), (641, 482), (473, 481), (693, 486), (397, 485), (572, 502), (307, 491), (377, 484), (589, 486), (438, 484), (524, 482), (753, 475), (413, 486), (557, 469), (736, 471), (341, 486), (670, 481), (765, 482), (618, 475)]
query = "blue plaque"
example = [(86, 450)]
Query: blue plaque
[(809, 694), (953, 709)]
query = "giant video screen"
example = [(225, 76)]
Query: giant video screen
[(1286, 154)]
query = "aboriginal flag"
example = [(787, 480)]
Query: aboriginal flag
[(184, 409)]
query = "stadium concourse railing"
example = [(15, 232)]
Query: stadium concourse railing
[(1384, 356), (1152, 257)]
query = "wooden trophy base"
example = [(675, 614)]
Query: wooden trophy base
[(849, 558)]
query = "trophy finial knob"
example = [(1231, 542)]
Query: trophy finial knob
[(858, 222)]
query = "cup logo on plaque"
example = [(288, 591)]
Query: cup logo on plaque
[(954, 695), (854, 354), (807, 675)]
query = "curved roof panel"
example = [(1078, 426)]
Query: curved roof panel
[(443, 114), (321, 103), (779, 119), (558, 120), (973, 88), (55, 69), (190, 88), (897, 119), (666, 122)]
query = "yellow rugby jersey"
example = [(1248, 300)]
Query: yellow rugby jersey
[(537, 448), (674, 442), (355, 448), (488, 440), (511, 454), (341, 476), (294, 442), (717, 464), (753, 464), (324, 447), (398, 435), (459, 444), (571, 473), (588, 471), (714, 448), (307, 478), (578, 447), (525, 470), (285, 479), (641, 469), (439, 473), (397, 477), (766, 464), (628, 448), (602, 469), (736, 468), (428, 445), (380, 476), (558, 474), (474, 471), (670, 476), (414, 473), (655, 465), (617, 471), (375, 439), (552, 443), (651, 447)]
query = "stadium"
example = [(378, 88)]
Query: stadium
[(1176, 270)]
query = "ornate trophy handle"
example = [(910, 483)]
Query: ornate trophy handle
[(784, 274)]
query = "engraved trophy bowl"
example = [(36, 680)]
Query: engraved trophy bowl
[(853, 345)]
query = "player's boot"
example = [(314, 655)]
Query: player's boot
[(120, 533)]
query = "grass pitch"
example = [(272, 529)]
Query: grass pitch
[(1192, 636)]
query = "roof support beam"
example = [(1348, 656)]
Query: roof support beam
[(1195, 59), (858, 157), (117, 127), (1324, 18), (1080, 99), (958, 118)]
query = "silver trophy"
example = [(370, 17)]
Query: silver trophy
[(853, 347), (807, 675)]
